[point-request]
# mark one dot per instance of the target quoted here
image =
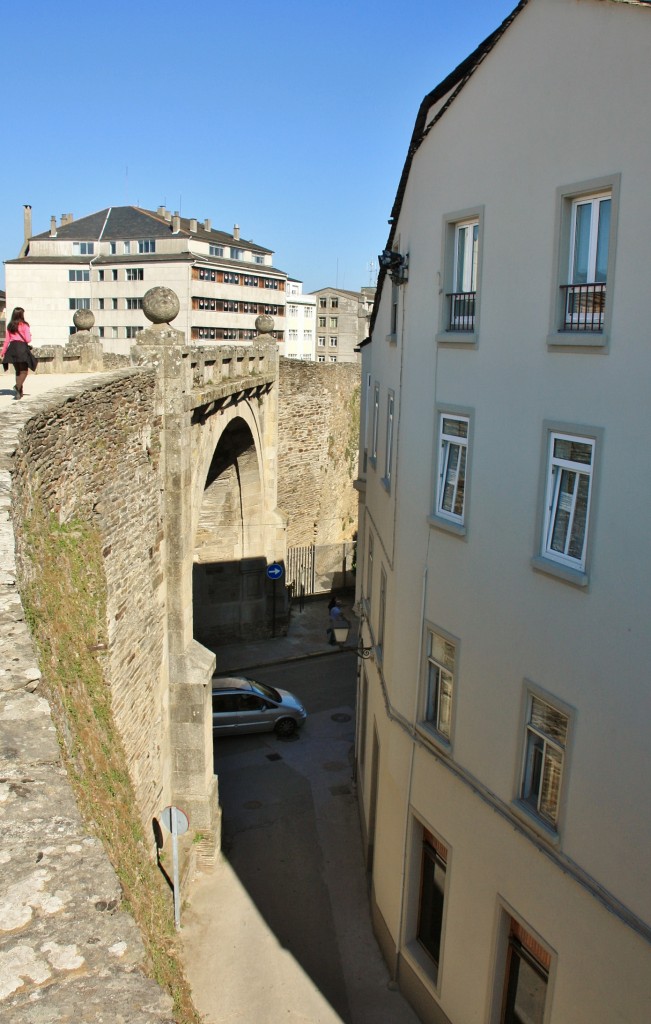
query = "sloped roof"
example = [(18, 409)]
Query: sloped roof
[(133, 222)]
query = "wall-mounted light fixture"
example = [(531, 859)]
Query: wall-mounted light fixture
[(395, 264), (341, 631)]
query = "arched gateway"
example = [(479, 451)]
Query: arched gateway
[(217, 409)]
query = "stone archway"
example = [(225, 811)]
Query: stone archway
[(233, 541)]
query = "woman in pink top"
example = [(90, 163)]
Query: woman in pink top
[(16, 348)]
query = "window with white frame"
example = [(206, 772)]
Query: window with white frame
[(583, 276), (216, 250), (570, 465), (308, 336), (79, 275), (546, 733), (321, 358), (588, 262), (332, 359), (375, 422), (258, 259), (369, 568), (462, 240), (381, 618), (130, 332), (333, 323), (292, 334), (440, 659), (135, 274), (388, 454), (147, 245), (134, 303), (236, 252), (452, 464), (292, 311), (83, 248), (322, 321), (333, 342), (113, 248), (323, 302), (126, 248), (308, 312), (321, 339), (79, 303)]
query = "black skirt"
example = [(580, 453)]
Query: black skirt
[(19, 354)]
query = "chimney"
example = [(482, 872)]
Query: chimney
[(206, 225), (53, 227), (193, 225), (66, 218), (168, 216), (236, 232), (176, 222), (161, 211), (27, 220)]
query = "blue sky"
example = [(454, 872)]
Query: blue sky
[(291, 119)]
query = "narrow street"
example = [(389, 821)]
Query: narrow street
[(280, 928)]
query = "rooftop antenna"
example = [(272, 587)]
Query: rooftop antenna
[(126, 185), (372, 273)]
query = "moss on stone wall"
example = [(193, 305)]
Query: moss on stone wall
[(64, 594)]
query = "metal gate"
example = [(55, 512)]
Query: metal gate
[(300, 569)]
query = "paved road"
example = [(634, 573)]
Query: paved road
[(292, 887)]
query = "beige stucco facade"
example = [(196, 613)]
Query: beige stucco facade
[(546, 121)]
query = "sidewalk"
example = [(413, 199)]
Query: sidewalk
[(36, 385), (307, 638)]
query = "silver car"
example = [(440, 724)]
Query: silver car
[(242, 705)]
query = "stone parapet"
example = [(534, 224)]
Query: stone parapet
[(67, 949)]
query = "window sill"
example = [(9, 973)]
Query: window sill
[(576, 577), (539, 825), (447, 525), (422, 964), (578, 339), (392, 339), (434, 739), (469, 338)]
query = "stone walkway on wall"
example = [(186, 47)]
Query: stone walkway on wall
[(68, 952)]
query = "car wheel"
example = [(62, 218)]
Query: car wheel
[(285, 727)]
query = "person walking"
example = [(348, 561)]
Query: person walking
[(16, 349)]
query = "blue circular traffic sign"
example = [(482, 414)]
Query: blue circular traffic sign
[(275, 571)]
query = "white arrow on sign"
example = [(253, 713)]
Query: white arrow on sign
[(275, 571)]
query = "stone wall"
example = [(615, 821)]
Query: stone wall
[(318, 437), (67, 949), (96, 458)]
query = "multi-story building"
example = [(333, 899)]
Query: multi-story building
[(107, 261), (504, 712), (300, 320), (342, 319)]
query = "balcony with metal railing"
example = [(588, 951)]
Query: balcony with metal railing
[(461, 311), (583, 307)]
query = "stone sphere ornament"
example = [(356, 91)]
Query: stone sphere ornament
[(264, 324), (83, 319), (160, 305)]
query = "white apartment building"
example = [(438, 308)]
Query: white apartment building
[(108, 260), (504, 712), (300, 320)]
